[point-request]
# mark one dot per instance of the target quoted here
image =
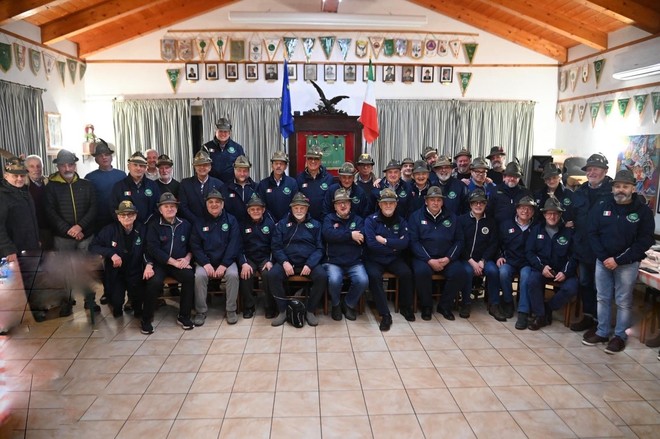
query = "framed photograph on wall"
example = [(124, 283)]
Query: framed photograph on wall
[(293, 71), (330, 73), (310, 72), (408, 74), (427, 74), (212, 72), (251, 73), (192, 72), (53, 132), (270, 72), (365, 72), (389, 74), (446, 74), (350, 72), (231, 70)]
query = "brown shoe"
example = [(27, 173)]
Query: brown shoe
[(592, 339), (616, 345)]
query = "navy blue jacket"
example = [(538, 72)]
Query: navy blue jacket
[(298, 243), (397, 236), (340, 248), (564, 196), (104, 182), (403, 194), (418, 200), (512, 243), (111, 240), (192, 197), (166, 240), (237, 198), (456, 196), (481, 240), (583, 199), (171, 187), (621, 231), (432, 238), (360, 202), (257, 239), (315, 190), (277, 198), (502, 203), (488, 188), (222, 167), (367, 187), (144, 198), (557, 252), (216, 241)]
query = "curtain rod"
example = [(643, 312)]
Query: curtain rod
[(23, 85)]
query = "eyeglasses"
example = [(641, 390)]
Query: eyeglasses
[(479, 172), (478, 202)]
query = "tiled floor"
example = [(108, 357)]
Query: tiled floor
[(466, 378)]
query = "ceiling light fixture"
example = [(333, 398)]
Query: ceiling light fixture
[(334, 20)]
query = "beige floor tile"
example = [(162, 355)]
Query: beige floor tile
[(387, 402), (294, 380), (636, 412), (559, 355), (400, 327), (562, 397), (520, 398), (432, 401), (364, 330), (163, 333), (471, 341), (295, 345), (494, 425), (298, 361), (261, 381), (95, 429), (192, 347), (17, 400), (263, 345), (263, 362), (604, 372), (645, 431), (289, 331), (157, 407), (476, 399), (437, 342), (228, 346), (404, 343), (484, 357), (396, 426), (542, 424), (208, 331), (151, 429), (144, 363), (333, 344), (130, 383), (255, 428), (266, 332), (287, 428), (448, 358), (221, 363), (588, 422), (47, 419), (213, 382), (21, 349), (540, 375), (111, 407), (196, 428), (411, 359), (342, 403), (329, 330), (504, 340), (536, 339), (492, 327), (60, 348), (577, 374), (374, 360), (649, 390), (346, 427), (296, 404), (612, 416), (631, 372), (100, 348), (496, 376), (368, 344), (421, 379), (156, 347), (380, 379), (601, 393), (182, 363), (250, 405), (339, 380), (336, 360), (520, 357), (461, 377), (458, 327), (204, 406), (171, 382), (445, 425)]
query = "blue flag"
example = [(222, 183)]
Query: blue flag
[(286, 118)]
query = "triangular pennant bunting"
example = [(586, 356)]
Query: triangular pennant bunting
[(203, 46), (308, 46), (470, 49), (344, 44), (237, 50), (376, 45), (49, 64), (585, 73), (255, 51), (443, 47), (598, 68), (464, 81), (20, 52), (416, 49), (72, 65), (655, 97), (430, 48), (623, 106), (185, 50), (35, 61), (61, 69), (563, 80), (361, 48), (582, 109), (455, 47), (5, 57), (388, 47), (173, 77), (607, 106), (290, 44), (168, 49), (594, 108), (220, 42), (327, 44), (573, 76), (271, 45), (560, 112), (82, 68), (401, 46), (640, 103), (571, 112)]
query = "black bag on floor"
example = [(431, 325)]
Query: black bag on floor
[(295, 313)]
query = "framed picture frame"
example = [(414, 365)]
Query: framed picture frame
[(251, 72), (389, 73), (53, 132), (350, 72), (270, 72), (446, 74), (330, 72), (192, 71), (426, 74), (408, 74), (211, 71), (365, 72), (231, 71), (311, 72), (293, 71)]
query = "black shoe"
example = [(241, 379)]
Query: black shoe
[(93, 305), (66, 309), (271, 314), (446, 313), (104, 300), (523, 321), (336, 313), (117, 312), (248, 313), (185, 323), (146, 327), (39, 316), (385, 323), (407, 313), (427, 313), (350, 313), (548, 314), (464, 312), (507, 309), (128, 306), (590, 338), (536, 323), (495, 311), (586, 323), (616, 345)]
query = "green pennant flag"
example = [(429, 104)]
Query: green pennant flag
[(607, 106), (72, 65), (598, 68), (327, 44), (388, 47), (290, 44), (61, 68), (623, 106), (82, 69), (464, 81), (594, 108), (470, 50), (173, 76), (655, 97), (5, 57), (640, 103)]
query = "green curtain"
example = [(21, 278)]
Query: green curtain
[(407, 126), (22, 127), (161, 124)]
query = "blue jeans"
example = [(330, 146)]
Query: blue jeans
[(507, 273), (617, 284), (492, 282), (359, 282)]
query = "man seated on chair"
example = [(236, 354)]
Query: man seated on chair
[(386, 235), (436, 241), (479, 253), (215, 245), (297, 249), (168, 253), (550, 254), (256, 257), (343, 234)]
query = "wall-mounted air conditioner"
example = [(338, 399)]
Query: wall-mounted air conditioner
[(638, 61)]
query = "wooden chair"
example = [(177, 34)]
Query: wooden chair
[(651, 317), (437, 281)]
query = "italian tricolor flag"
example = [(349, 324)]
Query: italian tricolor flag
[(369, 115)]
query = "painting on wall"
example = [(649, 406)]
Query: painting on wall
[(53, 132), (641, 156)]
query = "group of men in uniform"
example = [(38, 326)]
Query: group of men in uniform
[(423, 221)]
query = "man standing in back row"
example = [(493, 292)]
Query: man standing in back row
[(223, 151)]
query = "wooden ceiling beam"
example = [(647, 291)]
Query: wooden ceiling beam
[(89, 18), (548, 19), (20, 9), (628, 12), (137, 24), (526, 39)]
